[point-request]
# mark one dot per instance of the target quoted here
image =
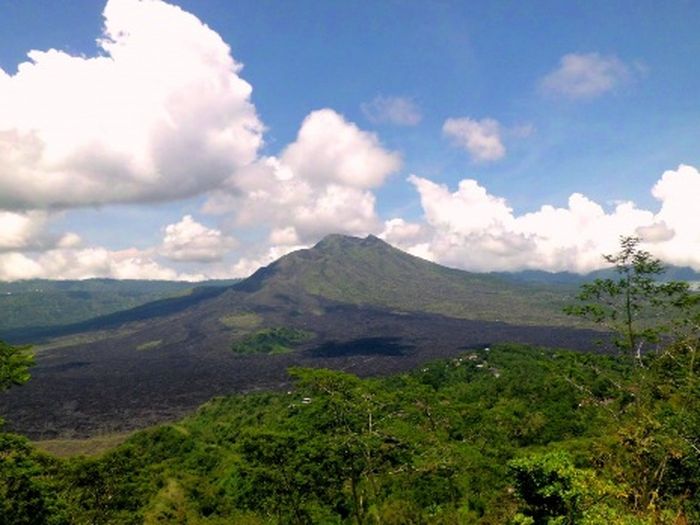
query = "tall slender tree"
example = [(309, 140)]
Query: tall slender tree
[(636, 305)]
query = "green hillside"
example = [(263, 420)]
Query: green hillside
[(371, 272), (40, 302)]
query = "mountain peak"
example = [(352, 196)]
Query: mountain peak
[(337, 240)]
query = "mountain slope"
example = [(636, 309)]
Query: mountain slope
[(371, 272)]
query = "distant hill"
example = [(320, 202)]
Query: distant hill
[(40, 302), (672, 273)]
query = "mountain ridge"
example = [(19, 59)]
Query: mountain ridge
[(369, 271)]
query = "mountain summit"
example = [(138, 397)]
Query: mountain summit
[(369, 271)]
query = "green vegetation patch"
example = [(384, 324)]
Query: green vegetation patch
[(94, 446), (149, 345), (242, 320), (278, 340)]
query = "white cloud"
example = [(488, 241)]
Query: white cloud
[(285, 236), (160, 114), (481, 138), (321, 183), (397, 231), (656, 232), (329, 149), (472, 229), (22, 231), (679, 192), (191, 241), (587, 75), (19, 230), (15, 266), (86, 263), (400, 111)]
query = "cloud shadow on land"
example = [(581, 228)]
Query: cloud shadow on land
[(387, 346)]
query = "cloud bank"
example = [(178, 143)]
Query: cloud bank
[(190, 241), (321, 183), (472, 229)]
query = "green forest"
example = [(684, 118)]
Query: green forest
[(508, 434)]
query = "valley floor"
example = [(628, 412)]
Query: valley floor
[(121, 383)]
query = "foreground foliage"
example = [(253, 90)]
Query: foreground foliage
[(513, 434)]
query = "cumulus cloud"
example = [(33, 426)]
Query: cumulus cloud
[(656, 232), (285, 236), (472, 229), (161, 113), (586, 75), (481, 138), (22, 231), (328, 148), (321, 183), (678, 191), (191, 241), (400, 111), (397, 231)]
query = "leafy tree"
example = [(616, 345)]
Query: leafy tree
[(655, 452), (27, 495), (557, 492), (636, 304), (14, 365)]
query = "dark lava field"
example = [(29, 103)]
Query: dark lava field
[(110, 385)]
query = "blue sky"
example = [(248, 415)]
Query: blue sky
[(606, 122)]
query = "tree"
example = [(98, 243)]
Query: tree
[(26, 496), (14, 365), (656, 451), (636, 305), (554, 491)]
